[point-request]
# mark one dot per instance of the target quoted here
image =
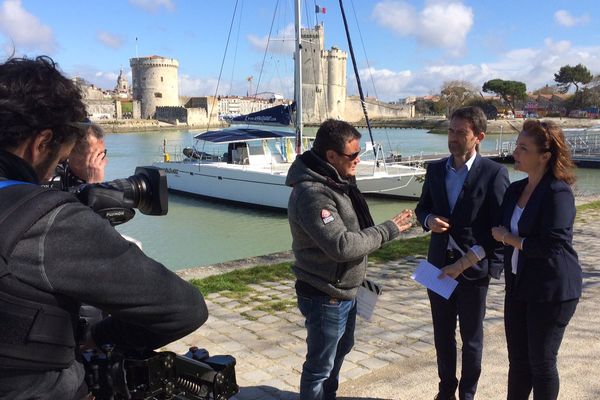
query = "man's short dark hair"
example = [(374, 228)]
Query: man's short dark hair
[(35, 95), (333, 134), (474, 115)]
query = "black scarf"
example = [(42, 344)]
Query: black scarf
[(15, 168), (361, 208)]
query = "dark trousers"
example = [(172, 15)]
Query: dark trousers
[(534, 332), (468, 303)]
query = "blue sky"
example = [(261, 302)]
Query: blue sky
[(412, 47)]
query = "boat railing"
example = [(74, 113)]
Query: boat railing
[(172, 152), (586, 142)]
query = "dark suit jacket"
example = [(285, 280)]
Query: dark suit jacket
[(475, 212), (548, 268)]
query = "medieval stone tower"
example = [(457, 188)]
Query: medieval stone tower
[(154, 83), (323, 78)]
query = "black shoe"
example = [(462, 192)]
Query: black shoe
[(438, 397)]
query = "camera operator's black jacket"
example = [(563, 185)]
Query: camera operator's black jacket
[(76, 256)]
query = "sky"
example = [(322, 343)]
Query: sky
[(403, 47)]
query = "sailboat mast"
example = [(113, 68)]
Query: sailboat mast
[(298, 78), (360, 91)]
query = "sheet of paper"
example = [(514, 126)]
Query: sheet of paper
[(427, 275), (366, 299)]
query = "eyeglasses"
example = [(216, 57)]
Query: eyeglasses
[(104, 153), (351, 157)]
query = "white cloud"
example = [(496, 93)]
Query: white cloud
[(281, 43), (24, 30), (533, 66), (153, 5), (439, 24), (108, 76), (564, 18), (194, 86), (109, 39), (101, 79)]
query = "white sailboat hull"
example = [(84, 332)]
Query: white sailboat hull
[(266, 186), (228, 182), (399, 182)]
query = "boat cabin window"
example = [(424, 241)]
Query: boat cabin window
[(237, 153)]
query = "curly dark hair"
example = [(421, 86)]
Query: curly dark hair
[(333, 135), (35, 95)]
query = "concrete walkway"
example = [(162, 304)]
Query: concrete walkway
[(393, 357)]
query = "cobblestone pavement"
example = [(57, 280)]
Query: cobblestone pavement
[(270, 348)]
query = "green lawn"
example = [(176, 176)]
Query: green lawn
[(235, 284), (238, 281)]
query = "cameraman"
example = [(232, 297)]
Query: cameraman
[(69, 255), (87, 160)]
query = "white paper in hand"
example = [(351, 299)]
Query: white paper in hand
[(427, 275), (366, 298)]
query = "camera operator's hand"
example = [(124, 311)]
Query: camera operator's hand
[(95, 164)]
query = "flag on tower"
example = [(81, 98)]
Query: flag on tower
[(321, 10)]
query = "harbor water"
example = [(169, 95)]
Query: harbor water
[(198, 232)]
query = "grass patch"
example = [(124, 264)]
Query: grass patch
[(594, 205), (584, 211), (278, 305), (238, 281), (235, 283), (248, 316), (401, 248)]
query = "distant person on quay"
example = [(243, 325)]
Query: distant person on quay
[(543, 275), (333, 232), (459, 204)]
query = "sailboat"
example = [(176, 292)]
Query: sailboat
[(248, 164)]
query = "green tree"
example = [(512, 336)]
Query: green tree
[(456, 93), (509, 91), (576, 75), (547, 90), (490, 110)]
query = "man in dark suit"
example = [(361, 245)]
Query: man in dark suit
[(459, 204)]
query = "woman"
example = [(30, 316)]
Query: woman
[(543, 275)]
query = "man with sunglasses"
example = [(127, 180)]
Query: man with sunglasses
[(333, 232), (56, 253)]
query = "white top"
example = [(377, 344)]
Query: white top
[(514, 229)]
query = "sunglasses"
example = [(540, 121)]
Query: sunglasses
[(351, 157), (104, 153)]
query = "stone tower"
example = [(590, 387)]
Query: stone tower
[(154, 83), (323, 78)]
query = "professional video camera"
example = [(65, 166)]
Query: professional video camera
[(159, 375), (115, 200)]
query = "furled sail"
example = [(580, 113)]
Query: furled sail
[(278, 115)]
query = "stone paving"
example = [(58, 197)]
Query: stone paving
[(270, 348)]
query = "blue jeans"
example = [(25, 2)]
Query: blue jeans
[(330, 327)]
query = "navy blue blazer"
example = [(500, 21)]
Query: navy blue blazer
[(476, 211), (548, 268)]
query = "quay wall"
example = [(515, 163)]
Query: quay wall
[(436, 125)]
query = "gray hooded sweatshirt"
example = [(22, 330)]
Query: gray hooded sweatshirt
[(329, 246)]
